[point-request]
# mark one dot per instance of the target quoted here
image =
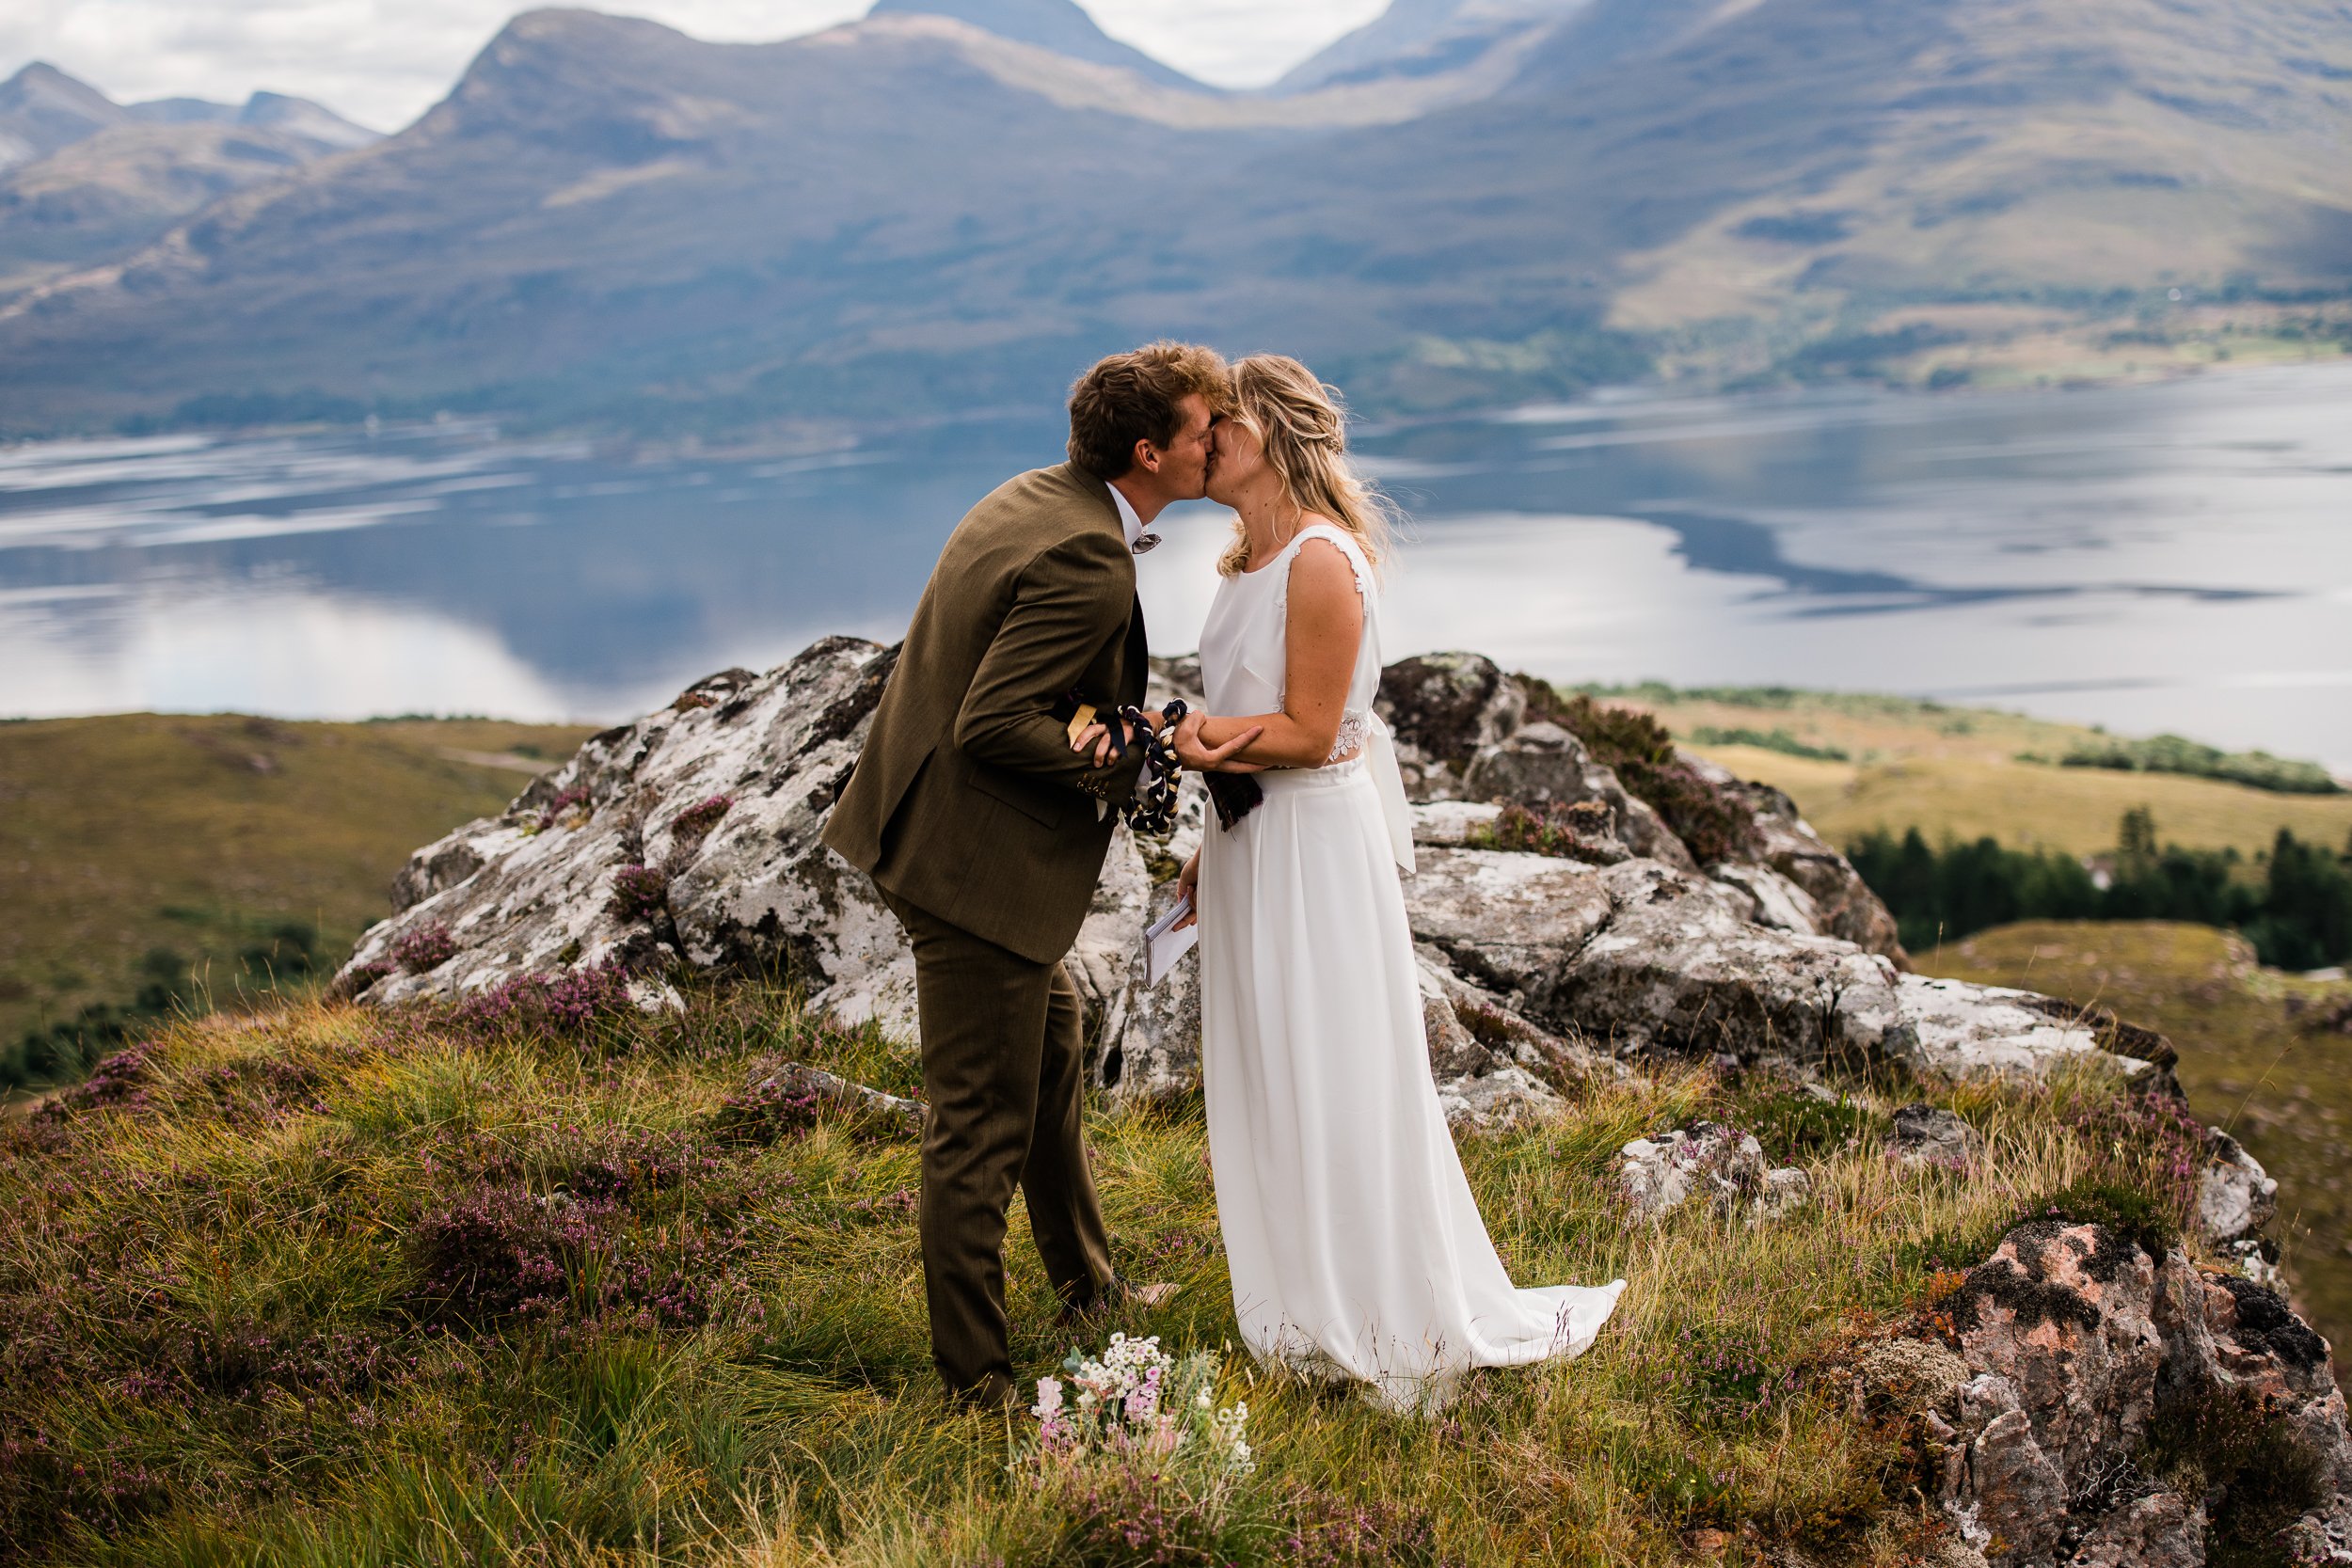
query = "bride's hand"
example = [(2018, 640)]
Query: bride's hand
[(1214, 759), (1189, 888)]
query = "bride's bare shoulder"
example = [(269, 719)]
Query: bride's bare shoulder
[(1322, 575)]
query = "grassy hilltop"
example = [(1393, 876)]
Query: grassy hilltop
[(1857, 763), (520, 1285), (203, 857)]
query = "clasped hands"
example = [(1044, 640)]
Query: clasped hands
[(1189, 749)]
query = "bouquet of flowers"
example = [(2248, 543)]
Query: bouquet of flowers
[(1137, 1401)]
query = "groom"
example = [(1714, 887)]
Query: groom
[(986, 831)]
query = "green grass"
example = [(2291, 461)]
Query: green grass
[(2250, 1061), (292, 1291), (206, 855)]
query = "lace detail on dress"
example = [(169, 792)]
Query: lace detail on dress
[(1355, 730), (1347, 545)]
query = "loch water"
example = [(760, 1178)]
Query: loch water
[(2167, 557)]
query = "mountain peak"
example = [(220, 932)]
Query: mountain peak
[(43, 109), (1060, 25), (302, 117), (1421, 38)]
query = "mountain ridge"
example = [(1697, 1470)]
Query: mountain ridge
[(105, 177), (1060, 25), (919, 212)]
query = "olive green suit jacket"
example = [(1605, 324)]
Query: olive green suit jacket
[(967, 801)]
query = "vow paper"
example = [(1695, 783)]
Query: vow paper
[(1165, 945)]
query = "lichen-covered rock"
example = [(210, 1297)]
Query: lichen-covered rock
[(1454, 824), (2088, 1361), (1147, 1045), (532, 889), (1674, 966), (1707, 1159), (1931, 1135), (2235, 1197), (1541, 764), (797, 1081), (1444, 709), (1843, 904), (1496, 1099), (1952, 1026), (1773, 900), (691, 837), (1781, 1192), (2162, 1530), (1511, 922)]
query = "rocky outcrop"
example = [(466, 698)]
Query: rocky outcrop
[(691, 837), (1463, 734), (2097, 1405), (1722, 1165)]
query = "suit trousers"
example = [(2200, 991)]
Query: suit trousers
[(1003, 1047)]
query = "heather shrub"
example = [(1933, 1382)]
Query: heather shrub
[(694, 823), (1712, 823), (1565, 831), (639, 892), (564, 1003), (427, 947), (559, 811)]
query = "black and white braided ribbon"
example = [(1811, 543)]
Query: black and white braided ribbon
[(1153, 809)]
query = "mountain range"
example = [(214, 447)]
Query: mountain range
[(957, 202), (82, 177)]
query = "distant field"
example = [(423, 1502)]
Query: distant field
[(2247, 1060), (1953, 770), (141, 844)]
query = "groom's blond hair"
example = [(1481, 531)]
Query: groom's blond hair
[(1302, 424), (1131, 397)]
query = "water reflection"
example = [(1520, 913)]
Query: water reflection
[(2173, 556)]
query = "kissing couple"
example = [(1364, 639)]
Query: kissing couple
[(1010, 742)]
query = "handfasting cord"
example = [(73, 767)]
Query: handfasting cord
[(1153, 809)]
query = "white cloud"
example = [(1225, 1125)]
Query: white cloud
[(383, 62), (1233, 43)]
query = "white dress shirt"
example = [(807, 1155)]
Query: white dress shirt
[(1127, 518)]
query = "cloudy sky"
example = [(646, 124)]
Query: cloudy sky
[(383, 62)]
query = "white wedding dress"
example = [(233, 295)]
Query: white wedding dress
[(1357, 1249)]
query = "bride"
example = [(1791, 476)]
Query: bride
[(1355, 1246)]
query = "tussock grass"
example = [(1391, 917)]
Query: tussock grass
[(336, 1287)]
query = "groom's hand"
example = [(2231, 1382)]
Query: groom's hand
[(1214, 759), (1098, 735)]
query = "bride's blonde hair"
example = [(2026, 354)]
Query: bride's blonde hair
[(1303, 427)]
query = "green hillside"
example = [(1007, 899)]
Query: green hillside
[(332, 1290), (1855, 764), (198, 858)]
